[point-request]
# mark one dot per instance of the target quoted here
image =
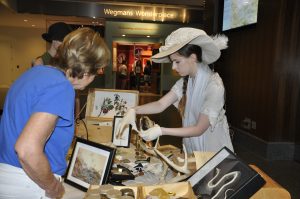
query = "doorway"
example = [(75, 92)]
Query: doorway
[(141, 74)]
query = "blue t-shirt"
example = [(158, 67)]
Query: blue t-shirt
[(40, 89)]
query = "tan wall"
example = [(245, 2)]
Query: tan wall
[(18, 47)]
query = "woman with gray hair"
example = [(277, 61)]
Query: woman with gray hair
[(37, 125), (198, 95)]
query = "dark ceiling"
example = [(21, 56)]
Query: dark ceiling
[(93, 8)]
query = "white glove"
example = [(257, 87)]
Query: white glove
[(129, 118), (151, 133)]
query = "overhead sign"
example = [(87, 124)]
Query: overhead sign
[(146, 13), (151, 13), (128, 12)]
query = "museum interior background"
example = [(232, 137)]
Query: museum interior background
[(260, 69)]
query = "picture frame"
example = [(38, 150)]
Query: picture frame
[(104, 104), (236, 15), (225, 176), (122, 139), (90, 164)]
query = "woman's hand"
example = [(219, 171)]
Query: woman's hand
[(129, 118), (151, 133), (56, 190)]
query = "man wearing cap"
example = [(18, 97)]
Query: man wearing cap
[(55, 36), (198, 94)]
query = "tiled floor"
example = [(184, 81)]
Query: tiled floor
[(286, 173)]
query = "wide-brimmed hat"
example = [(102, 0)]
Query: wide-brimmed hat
[(179, 38), (57, 31)]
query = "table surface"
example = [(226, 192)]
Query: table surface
[(72, 192), (270, 190)]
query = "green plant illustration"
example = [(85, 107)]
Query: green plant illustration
[(106, 106), (118, 104)]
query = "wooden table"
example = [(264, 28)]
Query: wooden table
[(97, 133), (271, 190)]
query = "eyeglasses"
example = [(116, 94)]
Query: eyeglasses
[(100, 71), (88, 75)]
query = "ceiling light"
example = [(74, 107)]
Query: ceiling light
[(33, 25), (25, 20), (123, 35), (148, 35)]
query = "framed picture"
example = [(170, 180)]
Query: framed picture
[(225, 176), (107, 103), (90, 164), (123, 138)]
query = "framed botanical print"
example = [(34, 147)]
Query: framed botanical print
[(107, 103), (90, 164)]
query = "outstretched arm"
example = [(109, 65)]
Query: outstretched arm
[(150, 108), (157, 106), (190, 131), (213, 104)]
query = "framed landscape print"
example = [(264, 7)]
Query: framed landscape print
[(90, 164), (121, 139), (107, 103)]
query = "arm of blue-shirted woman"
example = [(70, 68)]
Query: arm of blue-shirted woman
[(30, 149)]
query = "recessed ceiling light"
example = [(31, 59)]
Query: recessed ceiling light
[(33, 25), (25, 20)]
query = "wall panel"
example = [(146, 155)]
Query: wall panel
[(261, 72)]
